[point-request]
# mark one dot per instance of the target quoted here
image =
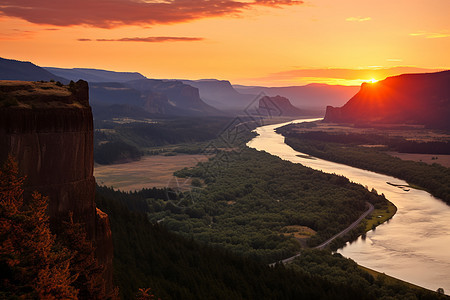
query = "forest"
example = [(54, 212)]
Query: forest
[(119, 140), (392, 143), (251, 203), (147, 255), (433, 178)]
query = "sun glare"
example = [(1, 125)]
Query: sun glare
[(373, 80)]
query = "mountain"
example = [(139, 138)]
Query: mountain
[(48, 129), (95, 75), (405, 99), (312, 96), (178, 95), (160, 97), (278, 106), (221, 94), (23, 70)]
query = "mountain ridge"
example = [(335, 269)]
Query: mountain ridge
[(422, 98), (11, 69), (94, 75)]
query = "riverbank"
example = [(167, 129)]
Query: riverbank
[(413, 246), (380, 215)]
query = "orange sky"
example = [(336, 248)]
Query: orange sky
[(261, 42)]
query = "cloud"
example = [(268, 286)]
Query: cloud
[(341, 75), (16, 34), (114, 13), (358, 19), (431, 35), (150, 39)]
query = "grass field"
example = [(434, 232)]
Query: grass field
[(379, 216), (150, 171), (443, 160)]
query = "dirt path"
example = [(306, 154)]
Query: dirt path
[(327, 242)]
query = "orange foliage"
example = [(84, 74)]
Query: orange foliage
[(32, 264), (90, 280), (145, 294)]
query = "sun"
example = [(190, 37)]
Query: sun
[(373, 80)]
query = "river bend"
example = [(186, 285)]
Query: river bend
[(413, 246)]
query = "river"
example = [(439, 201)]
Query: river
[(413, 246)]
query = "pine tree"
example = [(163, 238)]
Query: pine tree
[(32, 264), (89, 282)]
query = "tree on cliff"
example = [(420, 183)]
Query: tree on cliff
[(84, 265), (32, 263)]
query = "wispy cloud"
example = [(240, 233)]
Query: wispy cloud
[(394, 59), (358, 19), (150, 39), (431, 35), (114, 13), (16, 34)]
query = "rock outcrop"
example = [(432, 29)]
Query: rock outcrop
[(406, 99), (48, 128), (278, 106), (184, 98), (221, 94)]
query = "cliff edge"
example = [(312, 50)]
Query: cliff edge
[(48, 128)]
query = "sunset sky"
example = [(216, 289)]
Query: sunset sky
[(258, 42)]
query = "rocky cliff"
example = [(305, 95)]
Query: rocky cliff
[(48, 128), (405, 99), (278, 106), (221, 94), (182, 97)]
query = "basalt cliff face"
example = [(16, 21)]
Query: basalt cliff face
[(48, 128), (406, 99)]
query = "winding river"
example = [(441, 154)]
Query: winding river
[(413, 246)]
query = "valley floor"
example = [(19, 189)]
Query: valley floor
[(150, 171), (441, 159)]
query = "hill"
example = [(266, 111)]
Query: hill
[(177, 96), (24, 70), (221, 94), (405, 99), (279, 106), (95, 75)]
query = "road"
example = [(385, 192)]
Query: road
[(343, 232)]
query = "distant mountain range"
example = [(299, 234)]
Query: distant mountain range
[(404, 99), (410, 98), (23, 70), (119, 94), (94, 75), (311, 97)]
